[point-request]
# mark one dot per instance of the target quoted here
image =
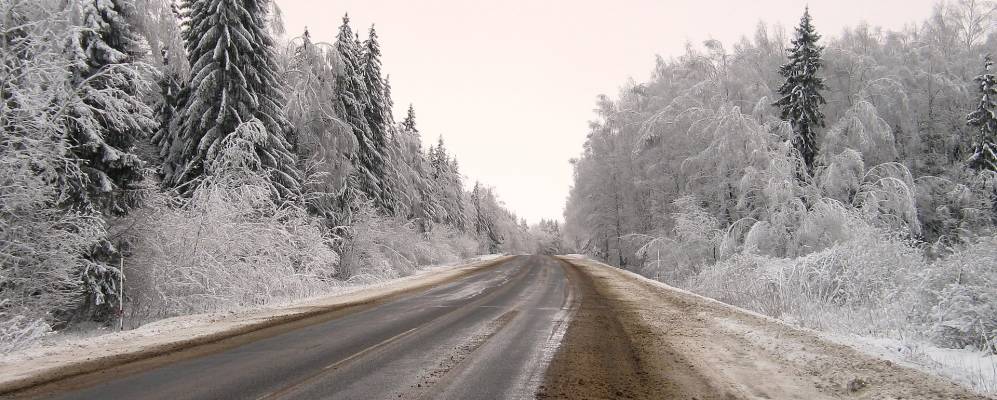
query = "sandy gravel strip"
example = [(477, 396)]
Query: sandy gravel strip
[(37, 366), (686, 346)]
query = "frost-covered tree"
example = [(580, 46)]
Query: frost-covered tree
[(233, 79), (389, 105), (984, 121), (490, 220), (326, 146), (110, 116), (172, 91), (409, 122), (107, 119), (44, 245), (374, 157), (801, 98), (445, 188), (354, 98)]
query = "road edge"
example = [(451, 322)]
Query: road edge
[(47, 375)]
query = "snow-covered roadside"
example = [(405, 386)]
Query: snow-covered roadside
[(760, 341), (75, 355), (971, 368)]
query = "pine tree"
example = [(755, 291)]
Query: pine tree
[(409, 122), (376, 114), (801, 98), (110, 116), (984, 119), (234, 79)]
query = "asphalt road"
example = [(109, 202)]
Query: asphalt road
[(490, 335)]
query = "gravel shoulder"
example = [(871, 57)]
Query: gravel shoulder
[(167, 338), (637, 338)]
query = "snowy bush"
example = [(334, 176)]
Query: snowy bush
[(681, 254), (745, 280), (230, 245), (19, 331), (961, 291), (859, 276), (953, 213), (861, 129), (377, 247)]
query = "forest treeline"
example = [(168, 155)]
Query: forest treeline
[(844, 183), (219, 164)]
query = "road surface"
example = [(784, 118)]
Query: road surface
[(489, 335)]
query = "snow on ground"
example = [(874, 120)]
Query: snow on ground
[(83, 351), (969, 367)]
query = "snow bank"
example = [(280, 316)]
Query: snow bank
[(969, 367)]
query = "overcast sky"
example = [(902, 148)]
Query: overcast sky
[(511, 84)]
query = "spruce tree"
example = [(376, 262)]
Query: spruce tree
[(378, 124), (984, 119), (234, 79), (354, 98), (171, 91), (801, 99), (110, 116), (389, 106), (409, 122), (107, 117)]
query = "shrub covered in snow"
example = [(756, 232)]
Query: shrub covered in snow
[(229, 245), (376, 247), (961, 291)]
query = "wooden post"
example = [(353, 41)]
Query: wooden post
[(121, 295)]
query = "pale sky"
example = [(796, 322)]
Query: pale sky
[(511, 84)]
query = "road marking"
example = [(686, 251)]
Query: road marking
[(361, 353), (337, 364)]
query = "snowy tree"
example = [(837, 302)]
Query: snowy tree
[(45, 245), (389, 105), (409, 122), (984, 120), (801, 98), (326, 146), (377, 115), (164, 33), (973, 19), (108, 118), (234, 79), (354, 98), (476, 194), (107, 75), (172, 92), (445, 188)]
